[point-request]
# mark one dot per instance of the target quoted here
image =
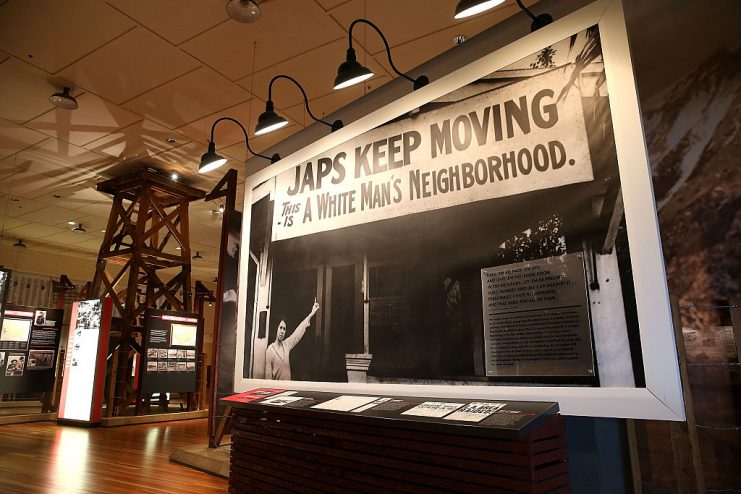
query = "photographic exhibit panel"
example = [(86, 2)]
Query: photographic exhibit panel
[(29, 343), (479, 240), (170, 351), (84, 370)]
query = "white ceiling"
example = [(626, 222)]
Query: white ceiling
[(148, 71)]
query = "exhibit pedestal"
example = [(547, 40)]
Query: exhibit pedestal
[(286, 444)]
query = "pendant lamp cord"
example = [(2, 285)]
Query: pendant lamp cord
[(385, 42), (306, 98), (244, 131), (522, 7)]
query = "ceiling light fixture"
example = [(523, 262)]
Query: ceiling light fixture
[(467, 8), (20, 244), (269, 121), (221, 208), (539, 21), (71, 223), (197, 256), (174, 176), (63, 100), (79, 229), (211, 161), (352, 72), (243, 10)]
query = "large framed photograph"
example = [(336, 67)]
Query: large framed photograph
[(492, 235)]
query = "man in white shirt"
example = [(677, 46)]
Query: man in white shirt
[(278, 354)]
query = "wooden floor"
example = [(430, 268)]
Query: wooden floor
[(46, 458)]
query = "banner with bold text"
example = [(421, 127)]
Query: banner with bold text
[(520, 137)]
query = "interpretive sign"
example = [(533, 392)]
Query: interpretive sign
[(170, 351), (29, 340), (536, 318), (503, 418)]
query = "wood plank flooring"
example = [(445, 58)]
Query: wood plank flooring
[(43, 457)]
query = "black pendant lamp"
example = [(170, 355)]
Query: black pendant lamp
[(467, 8), (351, 72), (211, 161), (269, 121), (539, 21)]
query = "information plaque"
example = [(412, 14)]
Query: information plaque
[(29, 340), (536, 318), (501, 419), (170, 351)]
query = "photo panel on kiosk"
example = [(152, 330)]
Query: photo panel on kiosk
[(4, 286), (81, 399), (170, 351), (29, 345), (490, 235)]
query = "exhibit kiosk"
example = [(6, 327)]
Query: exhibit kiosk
[(84, 374)]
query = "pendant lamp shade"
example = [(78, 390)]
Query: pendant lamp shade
[(351, 72), (467, 8), (269, 121), (210, 160)]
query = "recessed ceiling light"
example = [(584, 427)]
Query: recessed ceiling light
[(174, 176), (170, 140), (71, 223), (177, 248), (79, 229)]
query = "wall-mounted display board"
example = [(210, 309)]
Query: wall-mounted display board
[(492, 234), (84, 368), (170, 351), (29, 343)]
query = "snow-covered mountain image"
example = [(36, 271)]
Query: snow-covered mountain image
[(694, 140)]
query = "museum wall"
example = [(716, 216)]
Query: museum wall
[(47, 260)]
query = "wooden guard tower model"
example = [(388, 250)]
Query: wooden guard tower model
[(148, 221)]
